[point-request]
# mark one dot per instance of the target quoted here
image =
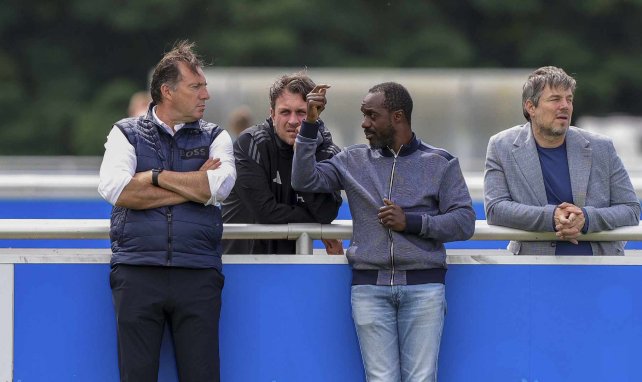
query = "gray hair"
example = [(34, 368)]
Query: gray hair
[(538, 80)]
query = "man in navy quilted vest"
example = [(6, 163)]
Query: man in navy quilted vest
[(166, 173)]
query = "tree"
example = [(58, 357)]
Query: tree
[(68, 68)]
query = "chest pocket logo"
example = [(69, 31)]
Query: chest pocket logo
[(195, 153)]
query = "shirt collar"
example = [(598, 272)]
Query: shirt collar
[(164, 125)]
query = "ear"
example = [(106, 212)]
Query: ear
[(529, 106), (398, 116), (166, 91), (272, 113)]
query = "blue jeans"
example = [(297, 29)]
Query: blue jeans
[(399, 330)]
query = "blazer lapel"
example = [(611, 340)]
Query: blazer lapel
[(525, 154), (579, 156)]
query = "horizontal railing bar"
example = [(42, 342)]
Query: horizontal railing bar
[(339, 229), (49, 186)]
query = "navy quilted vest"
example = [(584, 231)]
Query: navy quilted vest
[(185, 235)]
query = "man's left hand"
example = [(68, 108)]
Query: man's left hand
[(316, 102), (211, 164)]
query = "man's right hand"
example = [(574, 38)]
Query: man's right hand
[(333, 246)]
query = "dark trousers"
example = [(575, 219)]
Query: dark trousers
[(145, 297)]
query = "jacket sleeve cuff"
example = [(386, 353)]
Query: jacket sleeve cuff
[(586, 221), (413, 224), (309, 130)]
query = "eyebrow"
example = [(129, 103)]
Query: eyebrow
[(560, 96), (284, 108)]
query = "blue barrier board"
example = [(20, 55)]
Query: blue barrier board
[(512, 323)]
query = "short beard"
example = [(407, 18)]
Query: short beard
[(385, 139), (550, 130), (555, 132)]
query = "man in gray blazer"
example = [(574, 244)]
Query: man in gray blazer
[(546, 175)]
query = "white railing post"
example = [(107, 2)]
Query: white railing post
[(304, 244), (304, 234)]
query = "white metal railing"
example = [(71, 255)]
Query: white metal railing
[(303, 233), (74, 186)]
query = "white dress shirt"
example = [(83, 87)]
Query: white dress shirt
[(119, 164)]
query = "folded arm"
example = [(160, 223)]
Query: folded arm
[(140, 194), (191, 185), (121, 186), (173, 188)]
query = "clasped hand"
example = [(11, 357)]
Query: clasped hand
[(569, 221)]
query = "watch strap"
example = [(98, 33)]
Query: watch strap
[(155, 173)]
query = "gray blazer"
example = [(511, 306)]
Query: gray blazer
[(514, 194)]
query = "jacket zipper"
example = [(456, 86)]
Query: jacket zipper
[(170, 244), (392, 243)]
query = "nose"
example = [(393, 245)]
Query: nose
[(565, 105), (294, 120), (204, 93), (365, 123)]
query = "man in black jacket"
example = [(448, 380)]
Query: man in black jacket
[(263, 193)]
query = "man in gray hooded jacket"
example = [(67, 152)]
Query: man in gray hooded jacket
[(406, 199)]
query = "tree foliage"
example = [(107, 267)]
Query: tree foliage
[(67, 68)]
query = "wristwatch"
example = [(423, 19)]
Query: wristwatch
[(155, 172)]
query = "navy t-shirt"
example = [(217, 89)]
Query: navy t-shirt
[(557, 182)]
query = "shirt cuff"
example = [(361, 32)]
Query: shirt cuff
[(553, 219), (413, 224), (309, 130)]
